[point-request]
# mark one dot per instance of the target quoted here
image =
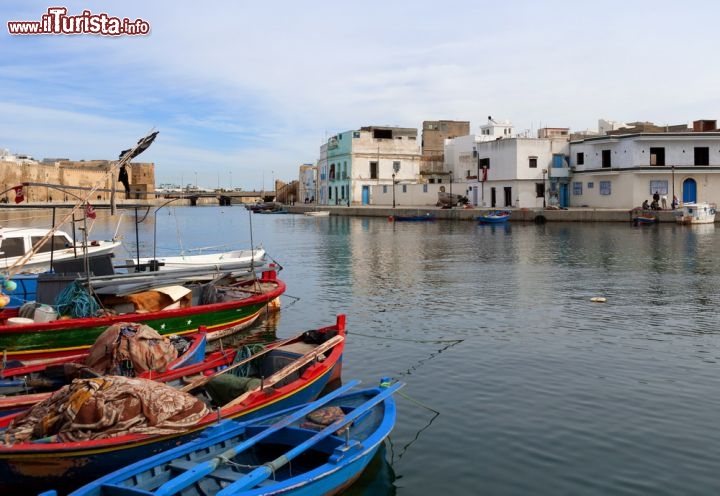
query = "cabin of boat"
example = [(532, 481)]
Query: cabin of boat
[(16, 242)]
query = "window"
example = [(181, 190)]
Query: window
[(373, 170), (605, 188), (657, 156), (425, 188), (577, 188), (356, 134), (702, 155), (13, 247), (404, 189), (396, 166), (384, 188), (484, 162), (606, 158), (532, 162), (660, 186), (539, 190), (580, 158), (591, 185)]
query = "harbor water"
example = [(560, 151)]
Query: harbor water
[(517, 382)]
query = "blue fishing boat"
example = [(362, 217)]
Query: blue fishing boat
[(412, 218), (644, 220), (495, 217), (321, 447)]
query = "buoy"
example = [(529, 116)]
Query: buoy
[(598, 299)]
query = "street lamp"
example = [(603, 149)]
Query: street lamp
[(544, 171), (393, 179), (672, 167), (452, 200)]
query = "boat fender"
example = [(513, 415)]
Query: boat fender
[(598, 299)]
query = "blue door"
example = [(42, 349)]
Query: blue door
[(366, 195), (564, 195), (689, 191)]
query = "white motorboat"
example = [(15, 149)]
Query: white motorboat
[(696, 213), (15, 243), (318, 213), (229, 261)]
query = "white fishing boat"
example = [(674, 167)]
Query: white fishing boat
[(318, 213), (16, 243), (228, 261), (696, 213)]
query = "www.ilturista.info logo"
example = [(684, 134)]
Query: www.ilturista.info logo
[(56, 21)]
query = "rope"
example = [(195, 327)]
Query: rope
[(75, 301), (244, 352), (386, 338)]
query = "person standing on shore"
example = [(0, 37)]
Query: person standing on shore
[(664, 202)]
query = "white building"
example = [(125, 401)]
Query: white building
[(502, 170), (623, 170)]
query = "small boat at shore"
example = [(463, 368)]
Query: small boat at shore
[(427, 217), (696, 213), (644, 219), (495, 217), (318, 213), (320, 447)]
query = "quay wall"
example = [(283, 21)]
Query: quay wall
[(460, 214), (471, 214)]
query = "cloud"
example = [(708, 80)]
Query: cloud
[(257, 88)]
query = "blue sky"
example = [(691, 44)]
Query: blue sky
[(244, 92)]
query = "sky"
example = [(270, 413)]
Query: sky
[(243, 93)]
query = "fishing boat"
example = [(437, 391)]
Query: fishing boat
[(696, 213), (644, 219), (229, 261), (53, 446), (426, 217), (318, 213), (495, 217), (16, 243), (123, 349), (84, 308), (321, 447)]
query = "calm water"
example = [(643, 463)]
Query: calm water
[(516, 382)]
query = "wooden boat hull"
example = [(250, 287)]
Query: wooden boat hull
[(55, 465), (59, 337), (331, 464)]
